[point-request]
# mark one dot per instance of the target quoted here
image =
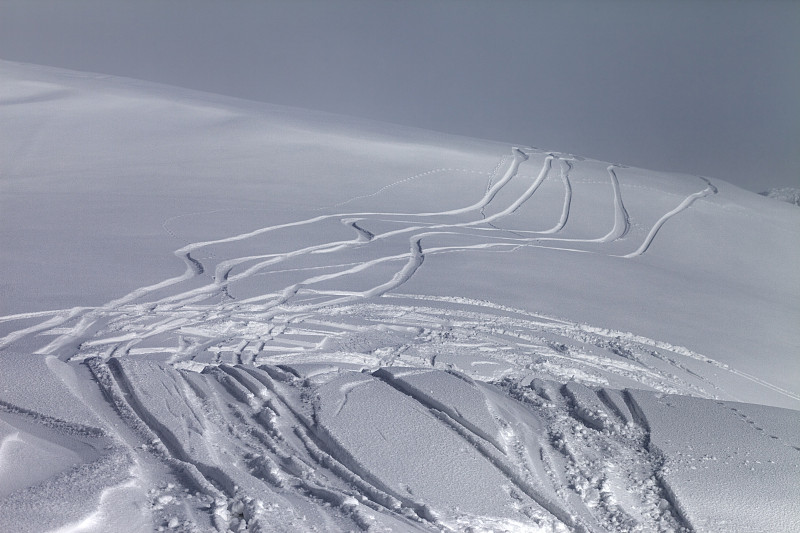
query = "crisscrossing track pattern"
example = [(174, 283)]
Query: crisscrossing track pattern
[(255, 297)]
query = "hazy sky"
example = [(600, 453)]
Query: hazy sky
[(703, 87)]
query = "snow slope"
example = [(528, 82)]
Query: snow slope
[(219, 314)]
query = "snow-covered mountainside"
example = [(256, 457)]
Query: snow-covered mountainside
[(223, 315)]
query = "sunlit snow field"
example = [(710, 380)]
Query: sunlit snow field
[(223, 315)]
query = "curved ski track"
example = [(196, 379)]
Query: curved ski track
[(228, 354), (229, 271), (187, 325)]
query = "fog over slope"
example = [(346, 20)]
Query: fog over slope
[(701, 87), (220, 314)]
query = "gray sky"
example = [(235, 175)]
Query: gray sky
[(704, 87)]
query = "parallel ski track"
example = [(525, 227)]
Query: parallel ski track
[(280, 443), (126, 323), (263, 427)]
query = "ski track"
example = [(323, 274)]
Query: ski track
[(565, 169), (197, 324), (221, 353), (274, 447), (689, 200), (621, 219)]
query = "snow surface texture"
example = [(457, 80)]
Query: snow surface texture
[(784, 194), (377, 328)]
